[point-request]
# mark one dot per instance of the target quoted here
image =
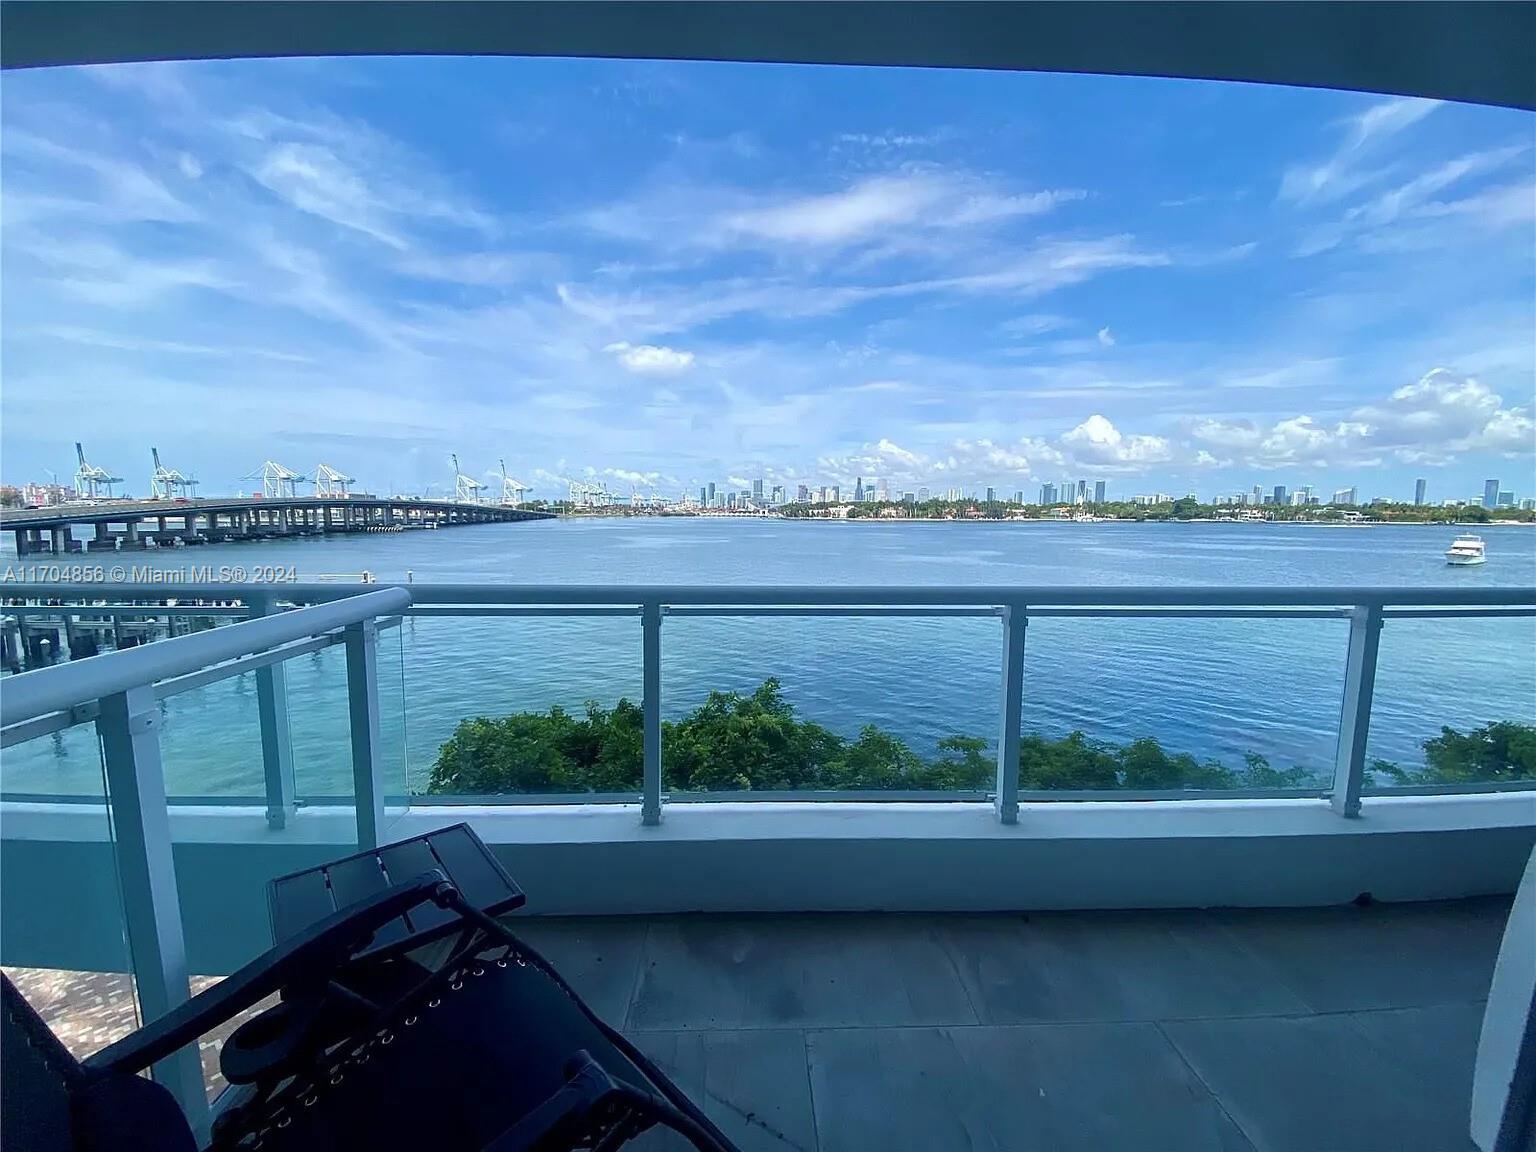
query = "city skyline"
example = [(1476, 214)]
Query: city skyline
[(92, 481), (928, 279)]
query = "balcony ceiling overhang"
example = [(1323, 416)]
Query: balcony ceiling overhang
[(1481, 53)]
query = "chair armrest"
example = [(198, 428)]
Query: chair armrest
[(315, 953)]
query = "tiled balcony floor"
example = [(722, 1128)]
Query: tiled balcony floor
[(1306, 1030), (1289, 1030)]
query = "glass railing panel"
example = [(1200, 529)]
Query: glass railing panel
[(62, 765), (1180, 705), (62, 939), (510, 706), (1454, 705), (210, 742), (319, 720), (829, 704)]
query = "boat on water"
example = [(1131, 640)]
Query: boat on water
[(1466, 550)]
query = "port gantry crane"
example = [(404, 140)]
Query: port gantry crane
[(168, 483), (513, 492), (330, 482), (466, 489), (277, 482), (91, 481)]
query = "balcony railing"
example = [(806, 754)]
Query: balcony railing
[(120, 694), (67, 695)]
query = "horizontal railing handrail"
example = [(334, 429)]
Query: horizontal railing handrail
[(61, 687), (790, 595)]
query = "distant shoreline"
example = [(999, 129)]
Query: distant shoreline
[(1458, 524)]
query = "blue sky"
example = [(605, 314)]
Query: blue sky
[(664, 274)]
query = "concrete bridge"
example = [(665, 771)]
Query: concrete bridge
[(120, 525)]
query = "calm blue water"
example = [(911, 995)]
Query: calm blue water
[(1216, 688)]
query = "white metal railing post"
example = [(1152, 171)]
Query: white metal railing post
[(276, 744), (650, 653), (141, 839), (362, 644), (1355, 715), (1015, 622)]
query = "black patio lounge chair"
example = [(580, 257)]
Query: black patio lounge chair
[(410, 1018)]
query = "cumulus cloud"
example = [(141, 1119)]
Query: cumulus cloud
[(1097, 441), (634, 479), (1447, 413), (1430, 421), (651, 359), (1106, 338)]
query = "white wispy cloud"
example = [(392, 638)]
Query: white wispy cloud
[(651, 359), (1361, 136)]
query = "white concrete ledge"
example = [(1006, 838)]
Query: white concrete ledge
[(61, 901)]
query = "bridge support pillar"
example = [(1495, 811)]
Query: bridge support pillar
[(130, 537)]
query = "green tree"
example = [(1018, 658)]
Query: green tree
[(754, 742), (1495, 753)]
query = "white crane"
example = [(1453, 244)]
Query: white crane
[(512, 491), (167, 483), (277, 482), (329, 482), (91, 480), (466, 489), (589, 495)]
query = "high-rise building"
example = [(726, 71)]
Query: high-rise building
[(908, 497), (824, 496), (883, 491), (777, 496), (922, 495), (1505, 500), (1018, 496), (1258, 495), (1099, 488), (1419, 488), (703, 495), (711, 492), (1279, 495), (1490, 493), (837, 494), (858, 490), (1346, 496), (757, 489), (1047, 493), (991, 494), (802, 494), (1082, 492), (730, 500)]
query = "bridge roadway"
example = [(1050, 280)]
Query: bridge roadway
[(131, 524)]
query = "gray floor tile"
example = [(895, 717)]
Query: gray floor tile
[(1110, 966), (1062, 1087), (1437, 1044), (1326, 1083), (796, 971), (1383, 956), (599, 956), (753, 1084)]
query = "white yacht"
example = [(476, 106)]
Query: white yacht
[(1465, 550)]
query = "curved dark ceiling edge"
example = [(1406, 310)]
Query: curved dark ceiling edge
[(1476, 52)]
